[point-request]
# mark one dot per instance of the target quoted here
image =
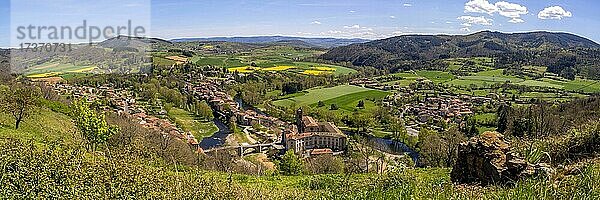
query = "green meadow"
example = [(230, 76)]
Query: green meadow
[(188, 122), (345, 96)]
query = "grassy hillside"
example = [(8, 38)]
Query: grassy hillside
[(349, 102), (67, 173), (44, 125)]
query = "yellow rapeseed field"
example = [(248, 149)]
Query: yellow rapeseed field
[(44, 75), (82, 70), (315, 72), (324, 68), (279, 68), (246, 69)]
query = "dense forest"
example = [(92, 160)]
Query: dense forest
[(564, 53)]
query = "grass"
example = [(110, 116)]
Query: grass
[(576, 85), (467, 83), (485, 117), (315, 72), (321, 94), (535, 83), (123, 177), (436, 76), (188, 122), (43, 125), (350, 101), (240, 136)]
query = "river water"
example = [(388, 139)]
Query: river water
[(217, 139), (390, 146)]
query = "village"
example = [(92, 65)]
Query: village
[(258, 127)]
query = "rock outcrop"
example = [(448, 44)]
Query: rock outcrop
[(487, 159)]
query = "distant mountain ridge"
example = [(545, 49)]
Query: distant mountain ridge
[(315, 42), (390, 52), (131, 42)]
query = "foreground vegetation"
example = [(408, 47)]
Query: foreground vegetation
[(67, 171)]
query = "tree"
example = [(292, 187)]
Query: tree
[(325, 164), (320, 104), (19, 102), (400, 134), (93, 125), (362, 150), (232, 126), (203, 110), (334, 107), (290, 164), (361, 104), (440, 149), (291, 88), (502, 113), (362, 122)]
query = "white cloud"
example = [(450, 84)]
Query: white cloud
[(407, 5), (470, 20), (449, 22), (397, 33), (316, 22), (503, 8), (480, 6), (554, 12), (393, 17), (465, 29), (516, 20), (511, 10), (352, 11), (355, 26)]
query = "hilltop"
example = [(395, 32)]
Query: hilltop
[(313, 42), (528, 48)]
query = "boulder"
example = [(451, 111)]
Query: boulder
[(487, 159)]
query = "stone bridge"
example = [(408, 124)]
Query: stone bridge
[(243, 149)]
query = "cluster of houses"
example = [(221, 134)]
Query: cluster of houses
[(123, 102), (440, 108), (307, 136), (225, 106)]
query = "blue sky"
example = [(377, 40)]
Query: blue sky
[(322, 18)]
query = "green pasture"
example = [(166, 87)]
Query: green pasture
[(315, 95)]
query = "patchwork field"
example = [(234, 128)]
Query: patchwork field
[(346, 97), (314, 69), (55, 69), (272, 59)]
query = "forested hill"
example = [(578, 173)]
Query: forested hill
[(542, 48)]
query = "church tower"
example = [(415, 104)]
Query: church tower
[(299, 123)]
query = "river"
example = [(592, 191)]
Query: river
[(217, 139), (390, 146)]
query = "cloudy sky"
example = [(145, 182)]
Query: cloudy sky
[(332, 18)]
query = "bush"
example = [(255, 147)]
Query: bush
[(290, 164)]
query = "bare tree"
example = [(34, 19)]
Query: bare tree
[(363, 149)]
